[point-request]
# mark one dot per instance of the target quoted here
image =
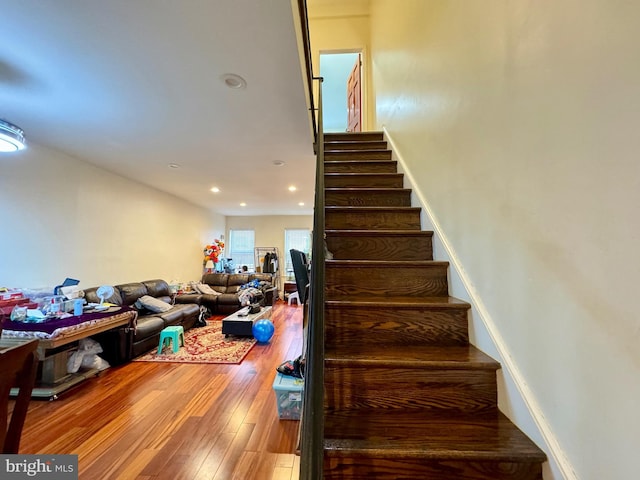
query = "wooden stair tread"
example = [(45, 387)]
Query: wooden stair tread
[(390, 263), (367, 189), (362, 233), (364, 209), (399, 302), (488, 436), (413, 356)]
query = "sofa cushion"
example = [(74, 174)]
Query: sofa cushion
[(216, 280), (206, 289), (235, 281), (148, 325), (91, 297), (173, 316), (130, 292), (188, 298), (152, 304), (228, 299), (157, 288)]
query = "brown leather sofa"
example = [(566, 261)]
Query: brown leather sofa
[(121, 345), (229, 285)]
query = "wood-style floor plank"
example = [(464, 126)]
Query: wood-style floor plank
[(154, 421)]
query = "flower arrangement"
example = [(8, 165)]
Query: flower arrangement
[(213, 251)]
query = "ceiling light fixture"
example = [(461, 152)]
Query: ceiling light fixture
[(174, 165), (278, 163), (234, 81), (292, 188), (301, 204), (243, 204), (215, 189), (11, 137)]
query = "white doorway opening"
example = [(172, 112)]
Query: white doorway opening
[(336, 68)]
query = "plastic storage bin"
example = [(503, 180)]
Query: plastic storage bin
[(288, 392)]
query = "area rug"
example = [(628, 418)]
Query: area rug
[(204, 345)]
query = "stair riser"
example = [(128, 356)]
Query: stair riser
[(354, 137), (389, 388), (344, 145), (372, 166), (358, 281), (348, 197), (395, 247), (362, 326), (347, 219), (356, 155), (367, 467), (363, 180)]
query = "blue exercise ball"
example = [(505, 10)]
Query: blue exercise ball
[(263, 330)]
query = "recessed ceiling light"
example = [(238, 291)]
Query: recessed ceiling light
[(243, 204), (215, 189), (292, 188), (234, 81), (301, 204), (11, 137), (278, 163), (174, 165)]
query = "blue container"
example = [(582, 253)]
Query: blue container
[(288, 392), (77, 307)]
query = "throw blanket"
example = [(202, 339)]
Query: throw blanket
[(248, 295)]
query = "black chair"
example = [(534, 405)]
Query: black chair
[(301, 272)]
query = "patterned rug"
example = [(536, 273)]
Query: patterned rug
[(204, 345)]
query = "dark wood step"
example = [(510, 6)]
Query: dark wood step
[(358, 155), (356, 180), (388, 446), (360, 166), (358, 145), (410, 377), (372, 218), (367, 244), (354, 136), (371, 197), (366, 278), (395, 322)]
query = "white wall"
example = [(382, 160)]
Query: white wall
[(62, 217), (517, 121)]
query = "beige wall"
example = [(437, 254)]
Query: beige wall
[(63, 217), (516, 120), (341, 27)]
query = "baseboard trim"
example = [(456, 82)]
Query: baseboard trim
[(553, 449)]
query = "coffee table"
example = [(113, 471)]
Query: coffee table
[(240, 323)]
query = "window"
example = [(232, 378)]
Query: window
[(241, 243), (300, 239)]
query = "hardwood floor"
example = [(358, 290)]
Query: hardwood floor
[(144, 421)]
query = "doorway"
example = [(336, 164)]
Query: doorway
[(341, 91)]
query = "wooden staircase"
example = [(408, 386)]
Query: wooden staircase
[(406, 395)]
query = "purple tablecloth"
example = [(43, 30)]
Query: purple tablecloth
[(52, 325)]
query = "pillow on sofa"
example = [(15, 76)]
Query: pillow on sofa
[(153, 304), (206, 289)]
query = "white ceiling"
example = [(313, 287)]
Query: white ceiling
[(134, 85)]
